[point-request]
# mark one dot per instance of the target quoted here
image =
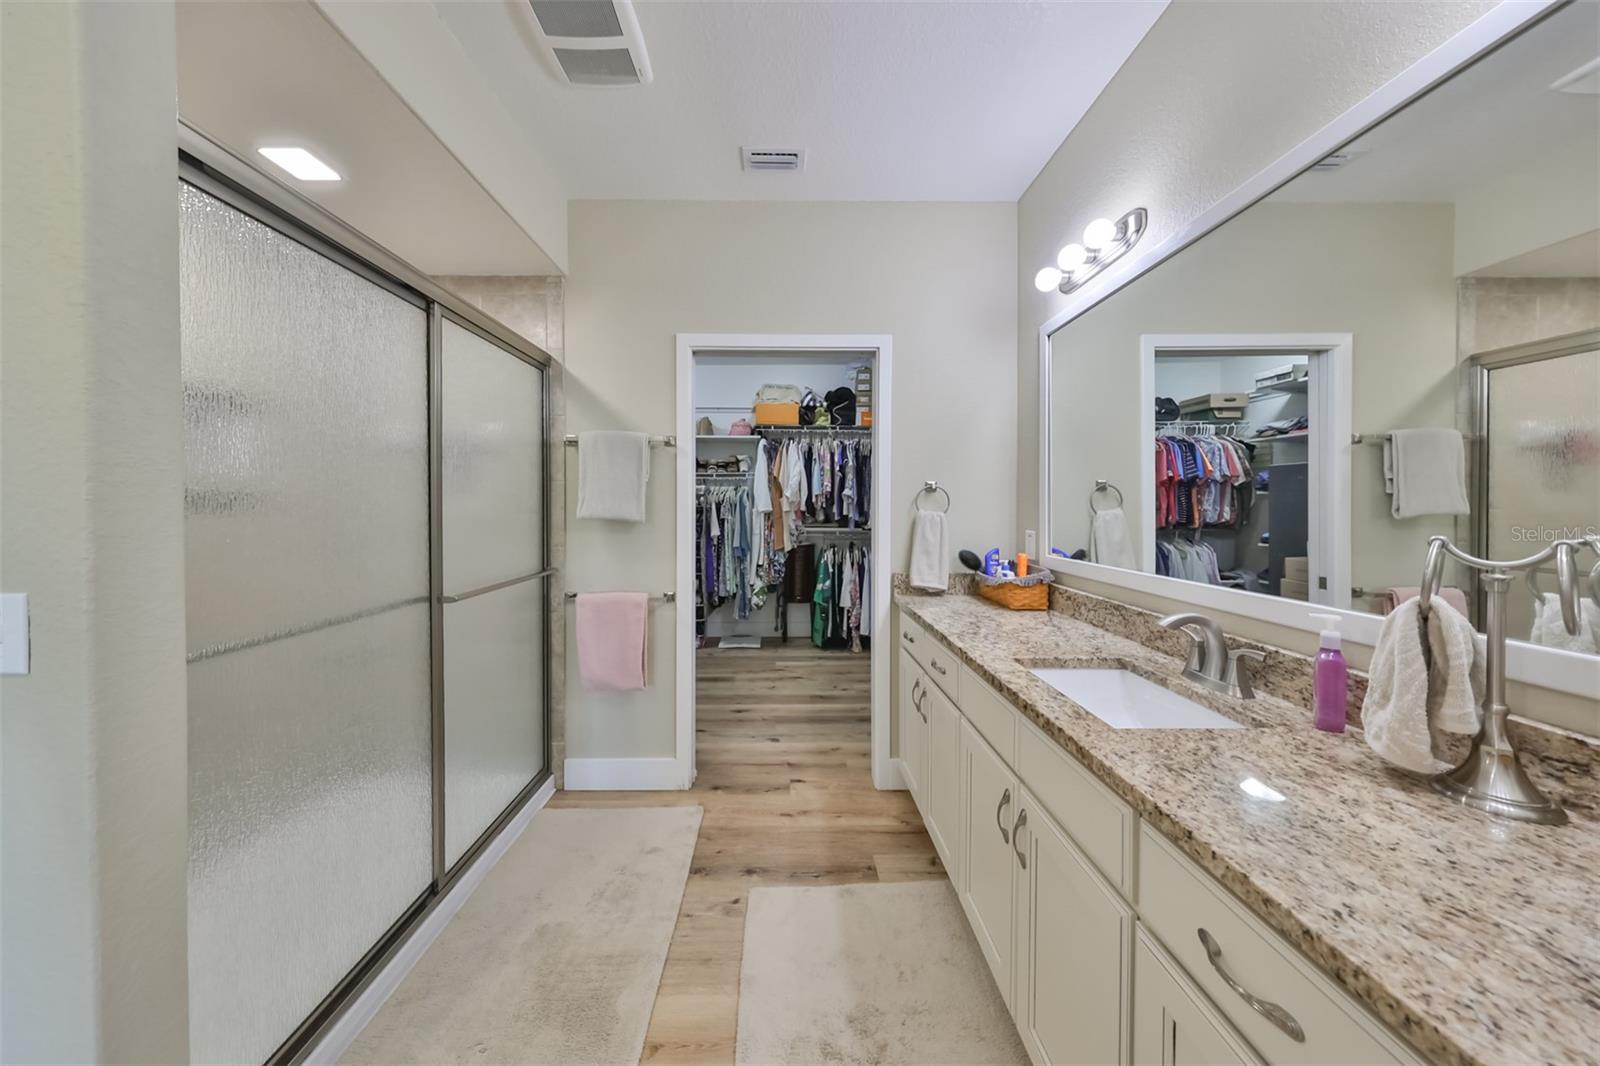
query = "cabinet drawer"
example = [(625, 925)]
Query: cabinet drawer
[(991, 716), (1094, 817), (938, 661), (1251, 974), (914, 640)]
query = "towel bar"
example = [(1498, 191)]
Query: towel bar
[(665, 597), (668, 441)]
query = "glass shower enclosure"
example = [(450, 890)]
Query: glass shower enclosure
[(365, 546)]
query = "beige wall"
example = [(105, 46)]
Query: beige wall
[(938, 277), (93, 837), (1278, 268), (1213, 94)]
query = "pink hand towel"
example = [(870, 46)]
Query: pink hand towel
[(1390, 599), (612, 645)]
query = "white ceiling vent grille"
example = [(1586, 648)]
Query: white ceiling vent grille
[(590, 43), (773, 158), (1338, 160)]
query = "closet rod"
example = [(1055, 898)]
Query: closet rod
[(780, 430), (668, 441)]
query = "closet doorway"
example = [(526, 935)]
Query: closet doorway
[(785, 525)]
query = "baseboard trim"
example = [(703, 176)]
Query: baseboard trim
[(897, 775), (343, 1032), (646, 775)]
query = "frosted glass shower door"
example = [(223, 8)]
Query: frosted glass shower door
[(1543, 464), (493, 477), (307, 566)]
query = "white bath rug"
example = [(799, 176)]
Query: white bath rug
[(557, 956), (871, 973)]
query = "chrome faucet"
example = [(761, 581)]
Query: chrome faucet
[(1210, 662)]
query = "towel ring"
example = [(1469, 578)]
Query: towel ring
[(1103, 486), (934, 486)]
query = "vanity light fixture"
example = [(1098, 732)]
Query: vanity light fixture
[(301, 164), (1104, 242)]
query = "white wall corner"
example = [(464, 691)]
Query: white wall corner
[(624, 775)]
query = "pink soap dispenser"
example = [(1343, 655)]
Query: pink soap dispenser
[(1330, 678)]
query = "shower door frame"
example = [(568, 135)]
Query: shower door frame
[(217, 171), (1478, 368)]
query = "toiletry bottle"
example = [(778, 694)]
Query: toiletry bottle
[(1331, 678)]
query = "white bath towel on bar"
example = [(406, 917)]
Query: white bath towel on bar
[(613, 472), (930, 552), (1109, 542), (1428, 472), (1408, 706)]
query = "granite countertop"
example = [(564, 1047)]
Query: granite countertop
[(1476, 939)]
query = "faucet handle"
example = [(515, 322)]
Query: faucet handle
[(1239, 673)]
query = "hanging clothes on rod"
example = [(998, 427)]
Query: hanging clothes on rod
[(1202, 480), (841, 604), (731, 560)]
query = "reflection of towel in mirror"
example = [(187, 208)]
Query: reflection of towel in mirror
[(1408, 705), (1109, 542), (1550, 631), (930, 552), (1425, 470)]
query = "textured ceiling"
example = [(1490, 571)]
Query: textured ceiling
[(890, 101)]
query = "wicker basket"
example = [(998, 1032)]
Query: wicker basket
[(1031, 593)]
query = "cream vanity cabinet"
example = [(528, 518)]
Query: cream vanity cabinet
[(1106, 943)]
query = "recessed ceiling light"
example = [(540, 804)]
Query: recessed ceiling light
[(301, 164)]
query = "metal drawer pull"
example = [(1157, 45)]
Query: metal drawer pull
[(935, 664), (1005, 800), (1266, 1008), (1016, 838), (907, 637)]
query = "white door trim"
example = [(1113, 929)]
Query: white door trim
[(884, 773), (1328, 496)]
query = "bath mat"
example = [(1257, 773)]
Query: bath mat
[(870, 973), (557, 956)]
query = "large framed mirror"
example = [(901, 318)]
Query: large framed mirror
[(1400, 340)]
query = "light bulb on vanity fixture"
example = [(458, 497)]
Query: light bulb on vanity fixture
[(1104, 242)]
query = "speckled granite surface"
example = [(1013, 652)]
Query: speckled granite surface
[(1477, 940)]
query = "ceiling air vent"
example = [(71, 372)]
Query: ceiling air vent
[(591, 42), (773, 158), (1338, 160)]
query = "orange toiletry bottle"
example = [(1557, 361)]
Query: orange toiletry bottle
[(1022, 564)]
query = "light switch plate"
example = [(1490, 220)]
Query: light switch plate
[(13, 633), (1030, 542)]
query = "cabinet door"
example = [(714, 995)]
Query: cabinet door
[(1173, 1025), (944, 780), (914, 729), (1074, 949), (988, 881)]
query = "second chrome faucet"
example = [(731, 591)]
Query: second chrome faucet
[(1210, 662)]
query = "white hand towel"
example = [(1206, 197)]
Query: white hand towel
[(613, 470), (930, 553), (1109, 542), (1551, 632), (1407, 706), (1429, 472)]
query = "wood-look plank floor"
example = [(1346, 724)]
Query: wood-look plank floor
[(784, 737)]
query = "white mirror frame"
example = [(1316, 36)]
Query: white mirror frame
[(1544, 667)]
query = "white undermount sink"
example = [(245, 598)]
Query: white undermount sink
[(1124, 700)]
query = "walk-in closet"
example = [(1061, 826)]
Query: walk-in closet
[(784, 544), (1231, 477)]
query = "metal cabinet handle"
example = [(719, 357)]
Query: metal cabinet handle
[(1266, 1008), (907, 637), (915, 685), (935, 664), (1016, 838), (1005, 801), (917, 703)]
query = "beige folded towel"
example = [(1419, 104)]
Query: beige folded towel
[(1408, 706)]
